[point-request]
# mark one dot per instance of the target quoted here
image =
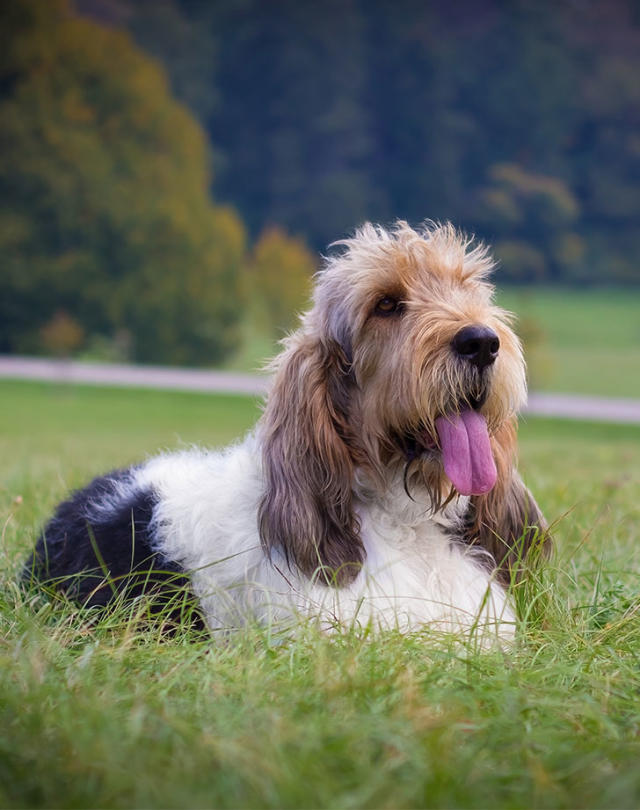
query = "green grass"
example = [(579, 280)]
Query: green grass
[(108, 713), (256, 347), (577, 341), (585, 342)]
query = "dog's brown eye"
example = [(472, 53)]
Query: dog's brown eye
[(387, 306)]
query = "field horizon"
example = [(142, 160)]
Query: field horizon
[(582, 341)]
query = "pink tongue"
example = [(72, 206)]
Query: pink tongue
[(466, 452)]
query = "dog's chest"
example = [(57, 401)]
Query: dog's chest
[(409, 524), (417, 571)]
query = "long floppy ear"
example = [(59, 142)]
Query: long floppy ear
[(507, 521), (306, 509)]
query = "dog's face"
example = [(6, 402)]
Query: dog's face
[(403, 362), (434, 363)]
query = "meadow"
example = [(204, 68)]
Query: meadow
[(579, 341), (107, 712), (583, 341)]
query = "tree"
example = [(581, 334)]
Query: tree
[(531, 216), (292, 131), (323, 114), (278, 281), (105, 211)]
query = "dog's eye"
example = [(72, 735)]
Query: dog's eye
[(388, 306)]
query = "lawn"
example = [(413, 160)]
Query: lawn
[(580, 341), (577, 341), (111, 715)]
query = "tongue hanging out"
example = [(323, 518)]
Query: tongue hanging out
[(466, 452)]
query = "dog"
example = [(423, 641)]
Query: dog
[(379, 487)]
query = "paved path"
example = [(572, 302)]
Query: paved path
[(569, 406), (576, 406), (174, 379)]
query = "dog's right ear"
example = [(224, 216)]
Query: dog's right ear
[(306, 509)]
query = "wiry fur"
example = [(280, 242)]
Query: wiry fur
[(331, 508)]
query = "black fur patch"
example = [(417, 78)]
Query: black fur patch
[(93, 554)]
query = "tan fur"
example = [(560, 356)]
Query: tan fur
[(350, 382)]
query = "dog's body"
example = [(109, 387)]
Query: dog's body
[(379, 486)]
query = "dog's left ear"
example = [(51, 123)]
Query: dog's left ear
[(507, 521)]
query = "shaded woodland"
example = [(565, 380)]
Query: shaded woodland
[(169, 167), (519, 120)]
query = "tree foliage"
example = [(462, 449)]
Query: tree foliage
[(105, 214), (518, 120), (278, 281)]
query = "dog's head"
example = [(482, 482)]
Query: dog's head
[(403, 362)]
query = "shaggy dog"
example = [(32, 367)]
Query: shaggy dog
[(379, 486)]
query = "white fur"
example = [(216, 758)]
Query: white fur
[(414, 574)]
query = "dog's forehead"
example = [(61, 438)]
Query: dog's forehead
[(425, 274), (432, 265)]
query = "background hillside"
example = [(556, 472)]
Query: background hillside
[(170, 169), (518, 120)]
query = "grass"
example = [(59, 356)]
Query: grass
[(577, 341), (108, 713), (580, 341)]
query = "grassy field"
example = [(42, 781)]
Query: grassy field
[(585, 342), (111, 715)]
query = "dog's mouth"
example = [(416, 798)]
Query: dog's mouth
[(463, 445)]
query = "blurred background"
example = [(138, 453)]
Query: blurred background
[(171, 169)]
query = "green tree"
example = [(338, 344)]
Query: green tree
[(278, 281), (292, 128), (323, 114), (105, 211), (532, 216)]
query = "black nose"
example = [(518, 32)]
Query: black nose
[(477, 344)]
